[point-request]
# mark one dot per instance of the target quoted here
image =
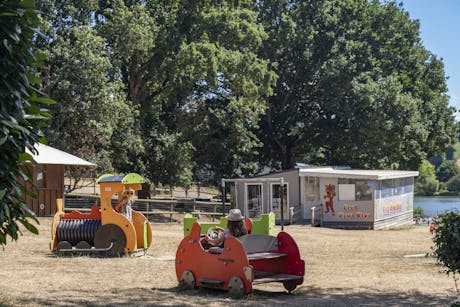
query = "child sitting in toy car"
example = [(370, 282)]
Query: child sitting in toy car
[(215, 236)]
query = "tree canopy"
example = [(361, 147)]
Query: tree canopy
[(181, 91), (355, 86)]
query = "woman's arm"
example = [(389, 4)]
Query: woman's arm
[(122, 202)]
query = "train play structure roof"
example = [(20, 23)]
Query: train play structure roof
[(131, 178)]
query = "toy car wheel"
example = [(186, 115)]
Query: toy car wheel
[(187, 281), (290, 285), (236, 287)]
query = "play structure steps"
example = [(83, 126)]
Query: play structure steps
[(266, 277), (265, 255)]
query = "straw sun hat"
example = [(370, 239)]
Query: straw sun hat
[(235, 215)]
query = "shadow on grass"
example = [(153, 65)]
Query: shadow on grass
[(374, 297), (303, 296)]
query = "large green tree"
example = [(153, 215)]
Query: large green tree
[(21, 115), (93, 118), (186, 74), (356, 86), (192, 69)]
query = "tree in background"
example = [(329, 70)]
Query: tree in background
[(355, 86), (93, 119), (20, 111), (180, 69), (447, 170), (225, 88), (453, 185), (426, 183)]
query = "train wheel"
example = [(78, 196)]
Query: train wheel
[(63, 245), (110, 234), (290, 285), (236, 287), (83, 244), (187, 281)]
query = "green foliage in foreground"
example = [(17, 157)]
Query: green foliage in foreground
[(447, 243), (21, 116)]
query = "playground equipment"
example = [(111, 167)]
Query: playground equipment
[(245, 261), (264, 225), (103, 231)]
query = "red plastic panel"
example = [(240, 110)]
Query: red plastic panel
[(76, 215), (192, 257)]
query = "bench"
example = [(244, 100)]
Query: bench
[(263, 252)]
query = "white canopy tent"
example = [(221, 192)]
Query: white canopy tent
[(49, 155)]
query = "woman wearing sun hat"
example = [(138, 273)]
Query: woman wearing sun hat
[(124, 206), (235, 227)]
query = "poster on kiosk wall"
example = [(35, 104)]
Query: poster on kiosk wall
[(341, 204)]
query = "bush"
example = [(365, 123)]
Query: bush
[(447, 243), (448, 193), (418, 212), (453, 184), (446, 170), (426, 183)]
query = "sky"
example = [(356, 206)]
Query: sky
[(440, 33)]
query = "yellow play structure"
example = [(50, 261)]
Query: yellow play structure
[(103, 231)]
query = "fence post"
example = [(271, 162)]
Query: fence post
[(312, 212)]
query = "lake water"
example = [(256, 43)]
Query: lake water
[(437, 205)]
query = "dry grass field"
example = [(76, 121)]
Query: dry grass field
[(343, 268)]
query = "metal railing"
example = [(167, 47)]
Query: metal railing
[(84, 202)]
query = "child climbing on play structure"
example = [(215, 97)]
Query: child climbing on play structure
[(215, 236)]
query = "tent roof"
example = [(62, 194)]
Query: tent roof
[(49, 155), (356, 173)]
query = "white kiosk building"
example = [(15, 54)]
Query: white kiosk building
[(329, 196)]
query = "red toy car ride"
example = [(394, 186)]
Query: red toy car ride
[(245, 261)]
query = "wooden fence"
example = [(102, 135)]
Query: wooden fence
[(152, 207)]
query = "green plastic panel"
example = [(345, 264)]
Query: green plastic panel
[(266, 224), (131, 178)]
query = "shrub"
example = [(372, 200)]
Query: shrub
[(447, 243), (426, 183), (418, 212), (446, 170), (453, 184)]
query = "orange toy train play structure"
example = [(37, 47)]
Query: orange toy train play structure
[(103, 231), (245, 261)]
